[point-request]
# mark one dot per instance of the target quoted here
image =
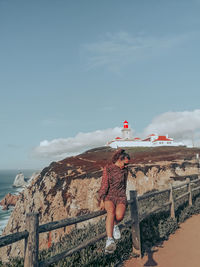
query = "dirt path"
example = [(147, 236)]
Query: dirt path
[(181, 250)]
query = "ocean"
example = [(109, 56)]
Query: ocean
[(7, 178)]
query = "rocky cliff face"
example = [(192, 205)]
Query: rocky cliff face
[(68, 188), (9, 200), (20, 180)]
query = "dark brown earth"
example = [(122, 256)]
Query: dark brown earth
[(52, 193), (93, 160)]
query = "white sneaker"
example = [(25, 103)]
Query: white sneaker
[(110, 245), (116, 232)]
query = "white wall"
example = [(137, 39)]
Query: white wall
[(117, 144)]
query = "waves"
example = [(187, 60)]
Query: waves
[(4, 217), (7, 178)]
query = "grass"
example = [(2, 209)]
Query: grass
[(154, 230)]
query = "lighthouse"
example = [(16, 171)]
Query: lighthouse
[(126, 132), (152, 140)]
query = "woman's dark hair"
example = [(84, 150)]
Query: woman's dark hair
[(120, 154)]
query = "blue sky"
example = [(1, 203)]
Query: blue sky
[(73, 71)]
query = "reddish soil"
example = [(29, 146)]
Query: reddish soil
[(93, 160), (181, 250)]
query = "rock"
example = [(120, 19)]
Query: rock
[(9, 200), (68, 188), (35, 175), (20, 180)]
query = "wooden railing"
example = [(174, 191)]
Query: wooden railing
[(33, 229)]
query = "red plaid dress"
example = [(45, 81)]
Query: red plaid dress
[(113, 184)]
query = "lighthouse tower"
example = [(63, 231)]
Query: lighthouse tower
[(126, 132)]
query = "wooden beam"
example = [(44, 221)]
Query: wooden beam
[(183, 195), (136, 224), (32, 242), (69, 221), (171, 199), (12, 238), (196, 188), (71, 251), (152, 194), (154, 210), (189, 191)]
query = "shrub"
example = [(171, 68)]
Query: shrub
[(154, 229)]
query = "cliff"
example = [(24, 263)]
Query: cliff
[(20, 180), (69, 187), (9, 200)]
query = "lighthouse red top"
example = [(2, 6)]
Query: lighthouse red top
[(125, 124)]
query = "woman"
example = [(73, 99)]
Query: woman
[(112, 195)]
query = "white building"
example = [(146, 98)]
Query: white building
[(152, 140)]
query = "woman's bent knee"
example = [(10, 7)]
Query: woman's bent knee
[(119, 217)]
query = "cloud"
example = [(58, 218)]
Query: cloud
[(114, 51), (64, 147), (182, 126)]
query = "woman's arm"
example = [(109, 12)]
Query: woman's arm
[(104, 185)]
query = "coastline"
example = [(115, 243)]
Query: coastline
[(5, 214), (7, 178)]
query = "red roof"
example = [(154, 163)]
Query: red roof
[(137, 138), (125, 121), (118, 138), (163, 138)]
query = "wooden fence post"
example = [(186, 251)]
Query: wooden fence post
[(198, 162), (136, 223), (32, 242), (171, 199), (190, 191)]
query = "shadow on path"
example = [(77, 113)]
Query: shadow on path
[(150, 260)]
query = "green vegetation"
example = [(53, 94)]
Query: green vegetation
[(93, 255), (154, 230), (16, 262)]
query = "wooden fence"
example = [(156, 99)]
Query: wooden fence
[(137, 214)]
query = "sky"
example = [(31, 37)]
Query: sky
[(72, 71)]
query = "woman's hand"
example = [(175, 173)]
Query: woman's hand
[(102, 205)]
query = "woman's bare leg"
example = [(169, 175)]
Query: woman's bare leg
[(110, 208), (119, 212)]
